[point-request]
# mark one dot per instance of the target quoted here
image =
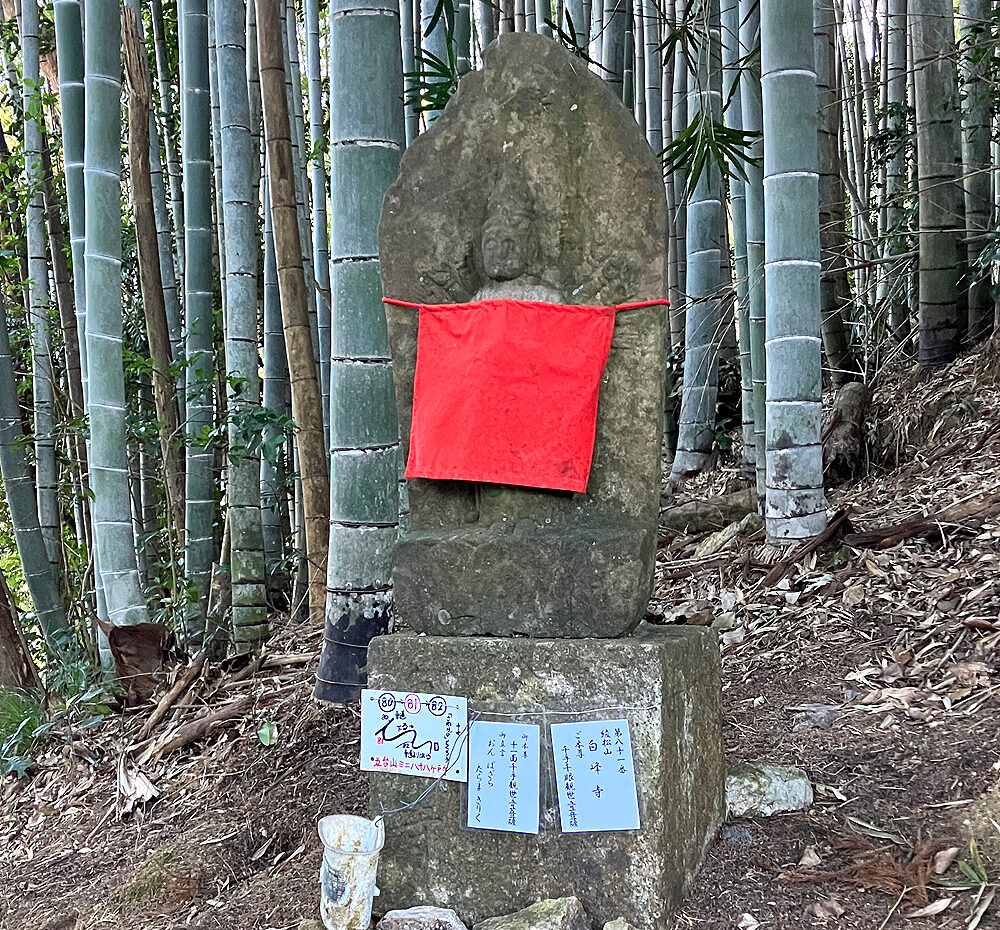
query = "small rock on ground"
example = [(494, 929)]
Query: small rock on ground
[(423, 917), (552, 914), (760, 789), (619, 923)]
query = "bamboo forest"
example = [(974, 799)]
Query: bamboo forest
[(541, 457)]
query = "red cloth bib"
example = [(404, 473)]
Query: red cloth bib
[(505, 391)]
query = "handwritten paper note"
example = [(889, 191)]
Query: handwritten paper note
[(414, 734), (504, 761), (595, 776)]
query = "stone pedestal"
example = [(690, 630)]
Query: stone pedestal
[(664, 680)]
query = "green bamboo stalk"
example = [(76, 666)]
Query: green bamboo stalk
[(893, 284), (434, 40), (39, 309), (679, 122), (974, 26), (705, 254), (636, 53), (169, 134), (486, 26), (595, 36), (834, 287), (198, 299), (543, 12), (111, 506), (218, 216), (935, 78), (320, 224), (613, 45), (253, 91), (366, 140), (69, 58), (575, 22), (653, 67), (239, 207), (409, 63), (731, 58), (796, 506), (62, 285), (750, 100), (19, 491)]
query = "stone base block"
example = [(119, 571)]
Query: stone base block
[(664, 680), (587, 579)]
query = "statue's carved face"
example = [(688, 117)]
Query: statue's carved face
[(509, 236)]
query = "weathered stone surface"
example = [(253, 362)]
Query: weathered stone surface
[(619, 924), (422, 917), (553, 914), (663, 680), (760, 789), (474, 582), (534, 183)]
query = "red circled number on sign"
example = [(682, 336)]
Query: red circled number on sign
[(412, 704)]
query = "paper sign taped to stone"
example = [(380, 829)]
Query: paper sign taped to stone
[(504, 763), (595, 776), (414, 734)]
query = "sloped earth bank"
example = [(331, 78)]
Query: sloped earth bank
[(875, 670)]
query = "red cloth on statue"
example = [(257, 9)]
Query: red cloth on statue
[(505, 391)]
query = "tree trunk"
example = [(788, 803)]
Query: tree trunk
[(276, 399), (17, 669), (153, 307), (306, 396)]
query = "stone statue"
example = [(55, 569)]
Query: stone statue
[(534, 184)]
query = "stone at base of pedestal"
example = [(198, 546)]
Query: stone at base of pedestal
[(664, 680)]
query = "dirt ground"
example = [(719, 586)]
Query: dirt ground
[(873, 669)]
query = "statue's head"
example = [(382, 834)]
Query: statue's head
[(509, 236)]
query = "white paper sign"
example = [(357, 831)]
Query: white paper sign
[(414, 734), (504, 763), (595, 776)]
